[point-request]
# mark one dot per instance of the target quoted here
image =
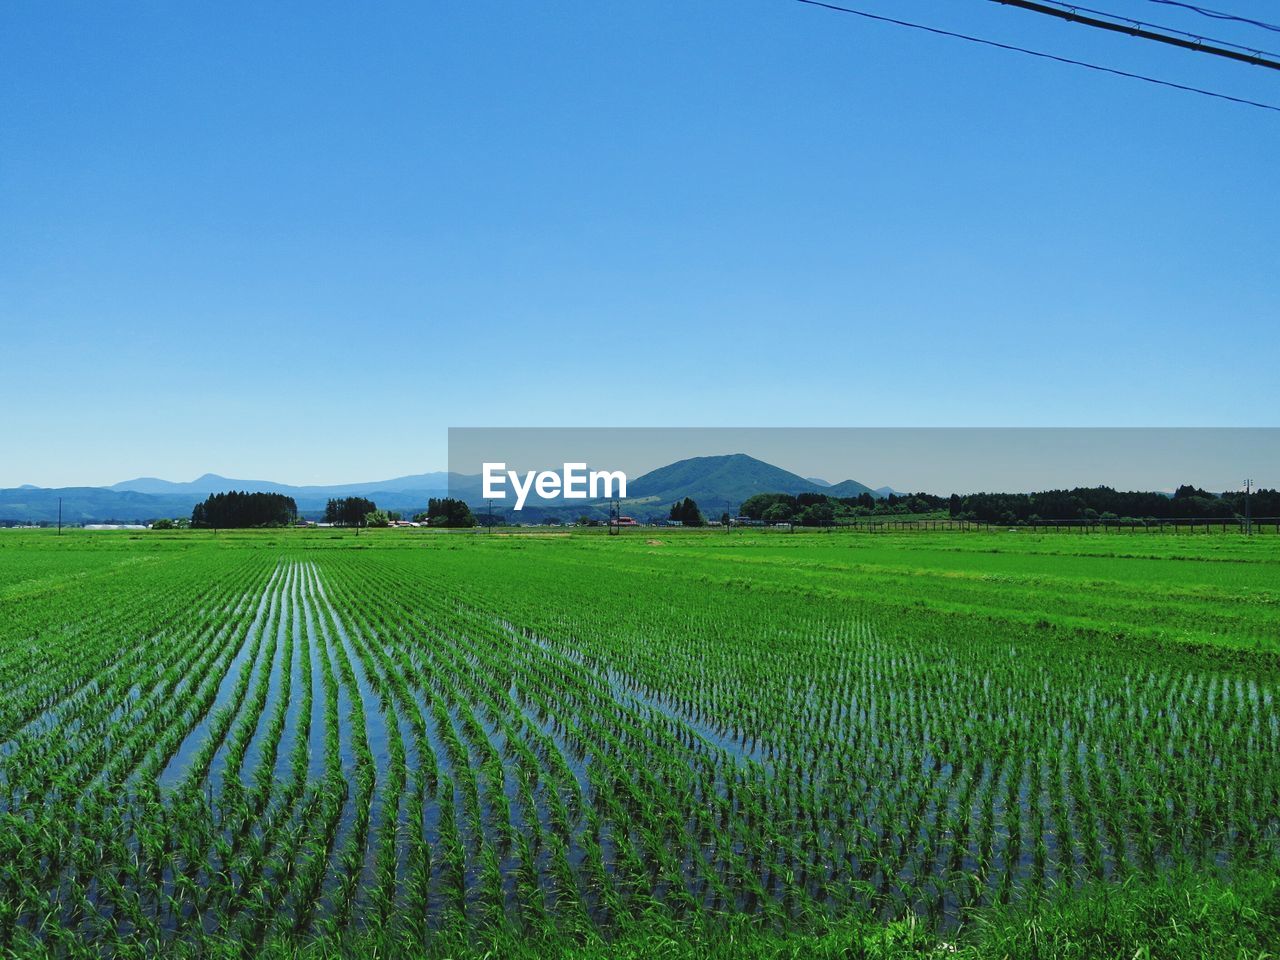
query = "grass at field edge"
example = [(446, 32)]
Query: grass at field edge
[(1177, 917)]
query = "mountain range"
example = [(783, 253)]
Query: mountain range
[(711, 481), (212, 483)]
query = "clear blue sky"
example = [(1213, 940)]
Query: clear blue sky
[(300, 241)]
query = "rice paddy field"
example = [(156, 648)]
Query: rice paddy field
[(419, 743)]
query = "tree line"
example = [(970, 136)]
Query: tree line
[(349, 511), (448, 512), (440, 512), (820, 510), (1079, 504), (237, 509), (1105, 503), (686, 512)]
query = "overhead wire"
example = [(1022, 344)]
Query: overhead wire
[(1070, 14), (1014, 48), (1197, 38), (1219, 14)]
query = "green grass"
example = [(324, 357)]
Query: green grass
[(1173, 918)]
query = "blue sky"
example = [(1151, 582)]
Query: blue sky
[(300, 241)]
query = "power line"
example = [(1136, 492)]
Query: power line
[(1219, 15), (1199, 38), (1040, 54), (1196, 44)]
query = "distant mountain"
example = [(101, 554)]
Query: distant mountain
[(148, 498), (713, 480), (205, 485), (90, 505), (883, 492), (850, 488), (399, 493), (213, 483)]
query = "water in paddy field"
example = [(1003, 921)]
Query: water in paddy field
[(547, 767), (375, 728), (180, 762), (999, 795), (314, 650), (290, 739), (278, 625)]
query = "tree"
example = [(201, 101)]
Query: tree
[(778, 513), (687, 513), (237, 509), (757, 506), (449, 512), (818, 515), (377, 518), (163, 524), (348, 511)]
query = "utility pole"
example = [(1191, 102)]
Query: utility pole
[(490, 516), (59, 516), (1248, 519)]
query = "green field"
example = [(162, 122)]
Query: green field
[(668, 743)]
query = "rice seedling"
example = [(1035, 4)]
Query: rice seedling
[(571, 741)]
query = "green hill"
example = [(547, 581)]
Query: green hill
[(850, 488), (713, 480)]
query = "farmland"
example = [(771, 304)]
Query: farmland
[(263, 740)]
